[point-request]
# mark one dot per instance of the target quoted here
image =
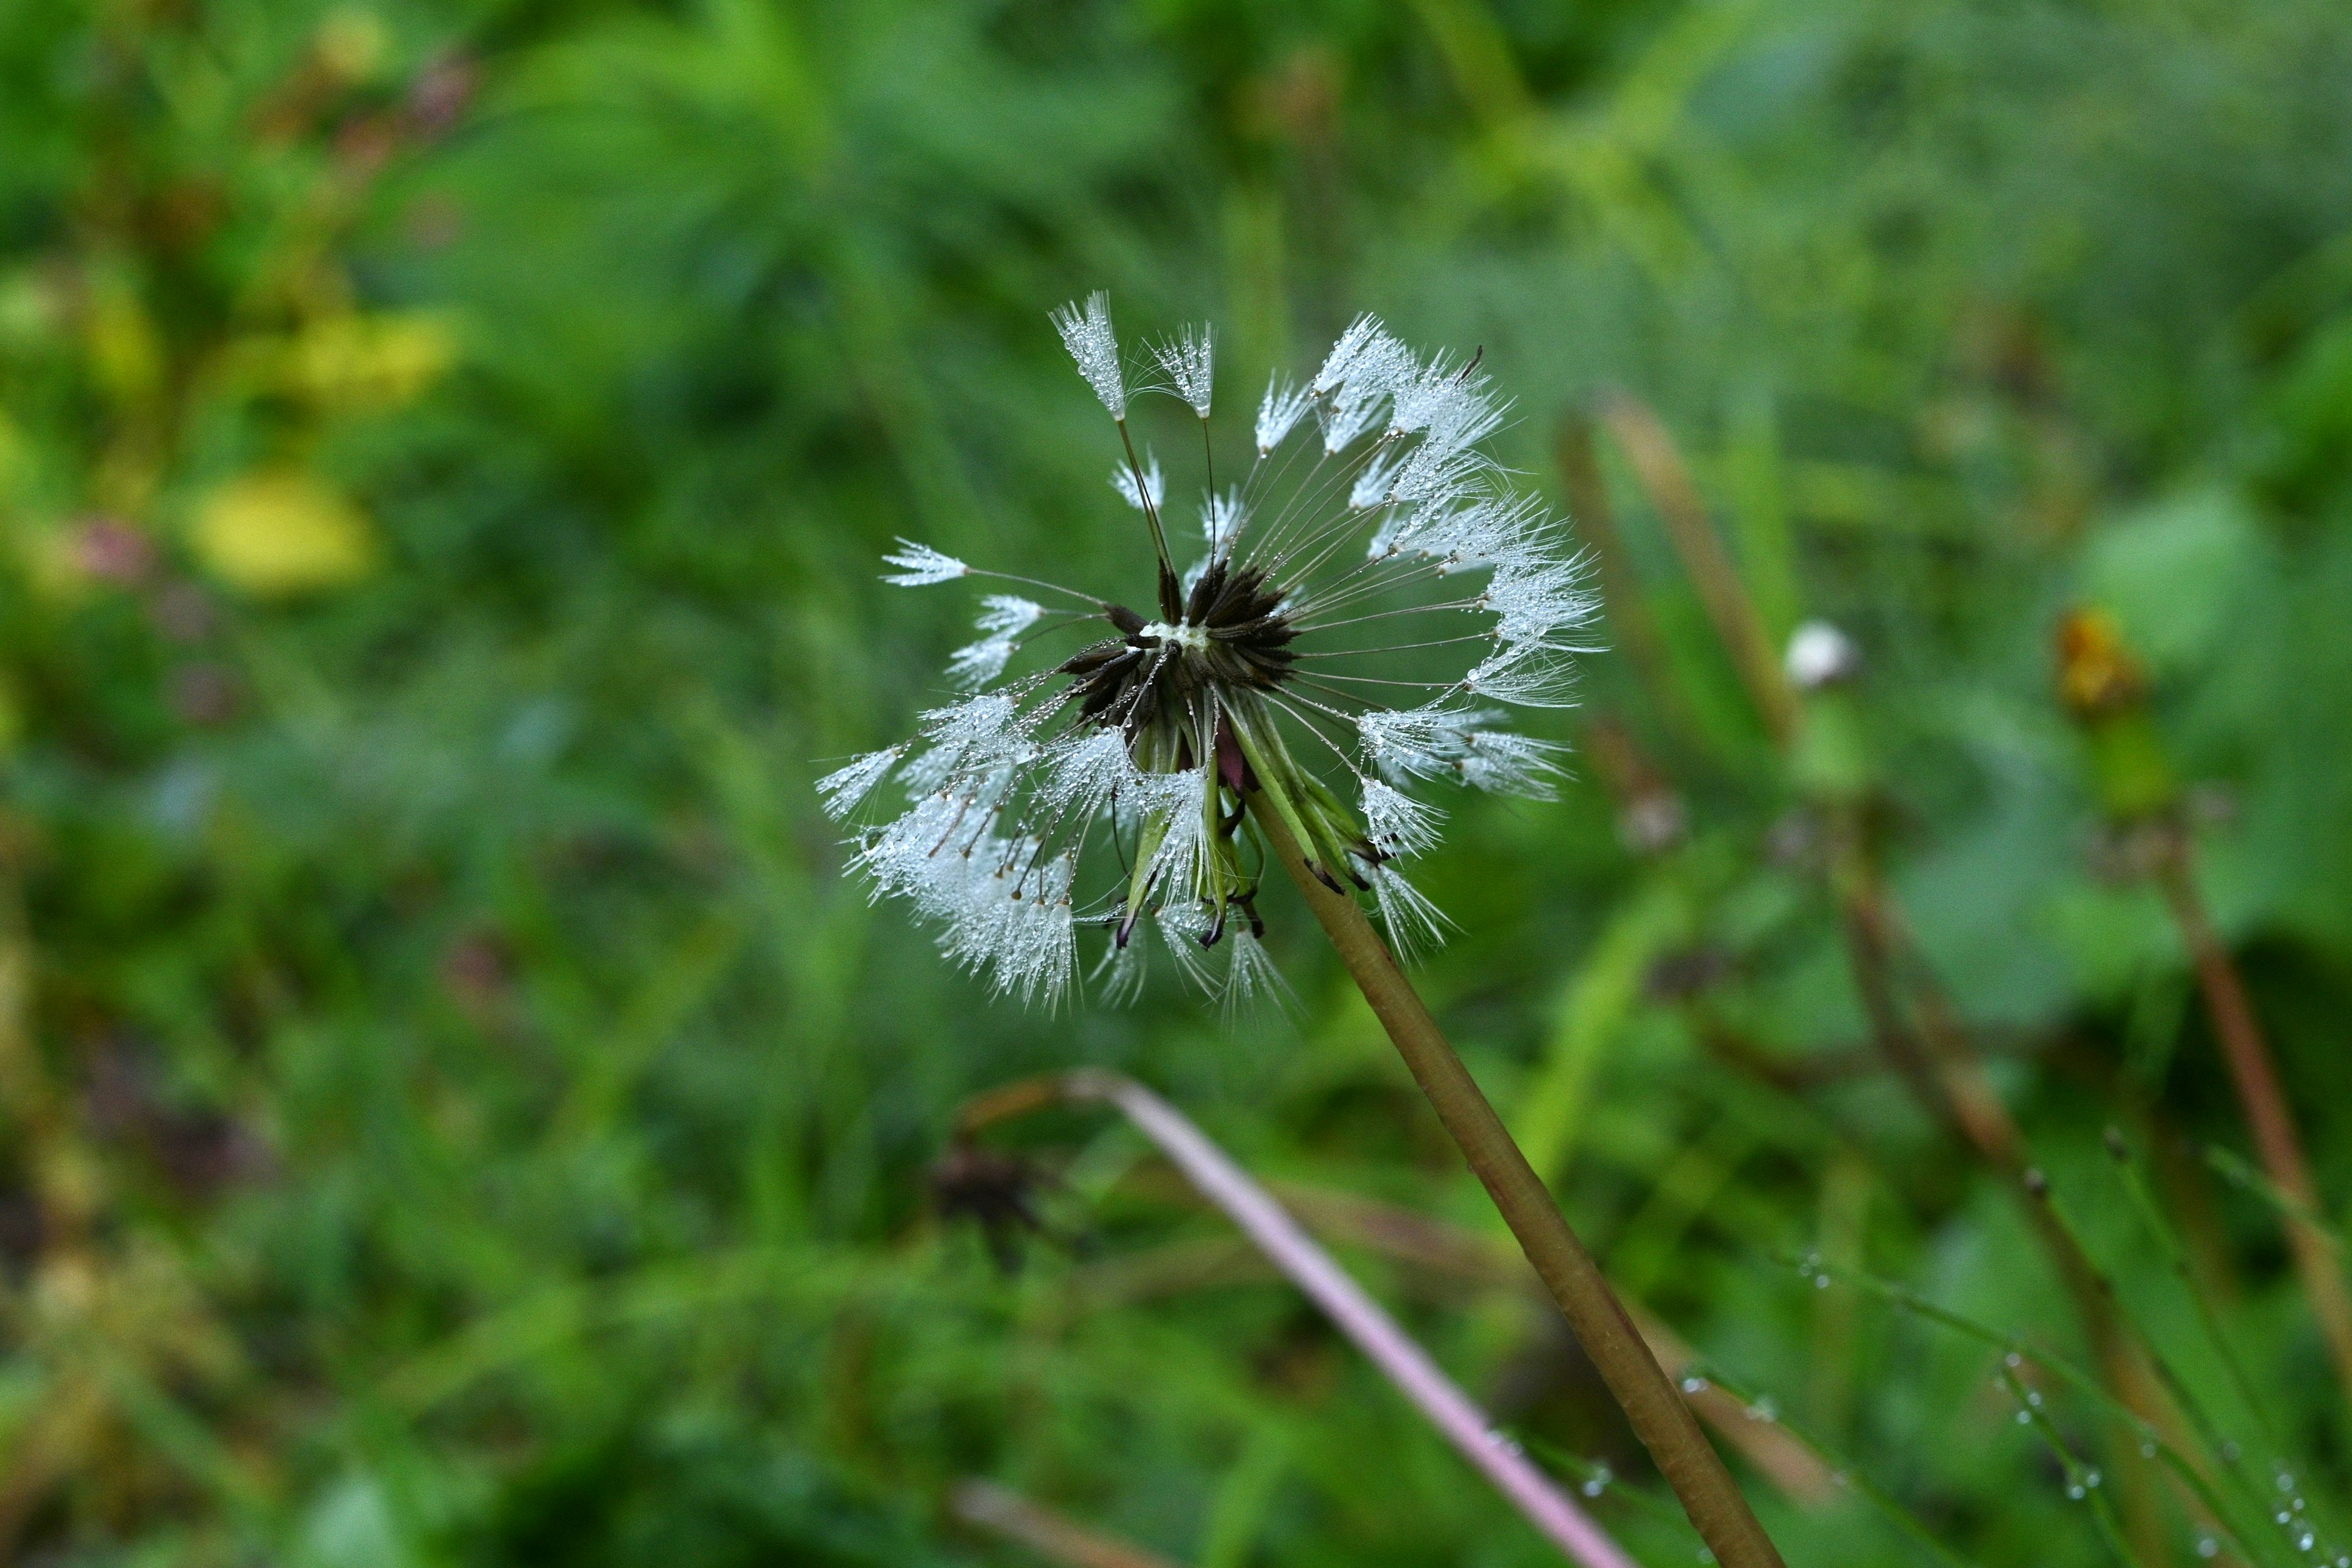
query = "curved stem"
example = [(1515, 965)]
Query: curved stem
[(1357, 1315), (1641, 1389)]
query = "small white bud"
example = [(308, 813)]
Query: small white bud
[(1820, 654)]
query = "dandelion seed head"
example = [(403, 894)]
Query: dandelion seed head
[(1363, 622)]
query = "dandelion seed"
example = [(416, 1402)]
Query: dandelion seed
[(1415, 924), (1188, 359), (1006, 615), (977, 664), (1281, 409), (845, 789), (1504, 764), (1086, 334), (920, 565), (1222, 517), (1153, 492), (1297, 674), (1397, 823)]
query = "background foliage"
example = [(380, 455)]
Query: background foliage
[(456, 1113)]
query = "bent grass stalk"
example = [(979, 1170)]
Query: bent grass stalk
[(1279, 1237), (1659, 1417), (986, 1506)]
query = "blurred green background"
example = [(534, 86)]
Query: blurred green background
[(453, 1110)]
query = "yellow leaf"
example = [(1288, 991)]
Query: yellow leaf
[(279, 532)]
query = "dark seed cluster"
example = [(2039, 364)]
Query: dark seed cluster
[(1232, 635)]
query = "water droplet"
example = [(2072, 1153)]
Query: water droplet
[(2025, 1417), (2033, 1397), (2074, 1490), (2147, 1450), (2012, 1360), (2303, 1542), (1694, 1386), (1821, 1282), (2296, 1505), (2208, 1547), (2285, 1482), (2281, 1516), (2091, 1478), (1764, 1410)]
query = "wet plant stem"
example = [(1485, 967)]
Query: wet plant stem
[(1656, 1409), (2255, 1078), (1944, 1076)]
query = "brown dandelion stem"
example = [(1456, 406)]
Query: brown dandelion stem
[(2255, 1077), (1659, 1417)]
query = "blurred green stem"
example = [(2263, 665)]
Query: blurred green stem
[(1659, 1416), (1658, 464)]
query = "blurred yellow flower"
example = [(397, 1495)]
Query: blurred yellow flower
[(370, 361), (279, 532)]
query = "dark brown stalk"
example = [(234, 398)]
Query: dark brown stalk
[(2268, 1116), (1659, 1417)]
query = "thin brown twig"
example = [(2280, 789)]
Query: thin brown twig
[(1279, 1239), (1659, 1416)]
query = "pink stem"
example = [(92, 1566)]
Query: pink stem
[(1357, 1316)]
